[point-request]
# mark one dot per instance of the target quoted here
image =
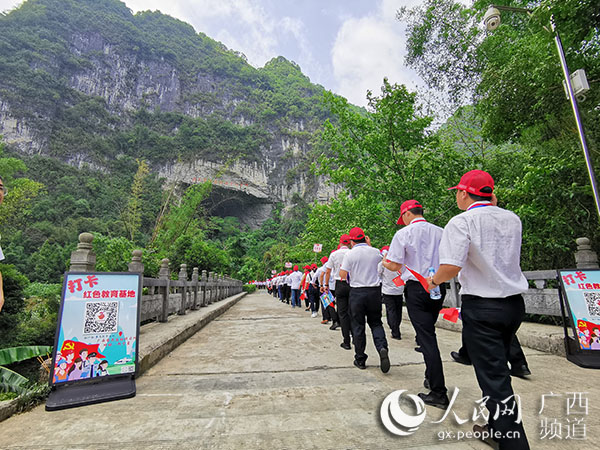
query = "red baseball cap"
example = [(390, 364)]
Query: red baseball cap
[(295, 267), (474, 181), (344, 239), (324, 259), (407, 206), (385, 248), (313, 266), (356, 234)]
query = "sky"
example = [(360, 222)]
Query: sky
[(347, 46)]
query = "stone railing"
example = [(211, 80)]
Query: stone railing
[(539, 298), (165, 296)]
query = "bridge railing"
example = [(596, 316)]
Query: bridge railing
[(164, 296), (542, 295)]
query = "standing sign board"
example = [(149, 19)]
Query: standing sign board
[(95, 354), (317, 248), (288, 265), (580, 303)]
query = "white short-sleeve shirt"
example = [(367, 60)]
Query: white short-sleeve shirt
[(361, 263), (485, 241), (416, 246), (335, 262), (388, 286), (295, 278)]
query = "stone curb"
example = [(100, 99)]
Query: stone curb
[(8, 408), (158, 339)]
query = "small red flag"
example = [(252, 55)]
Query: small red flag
[(398, 281), (450, 314), (419, 277)]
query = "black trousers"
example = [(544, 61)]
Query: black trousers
[(489, 327), (313, 298), (516, 357), (288, 293), (342, 293), (393, 312), (423, 313), (364, 303)]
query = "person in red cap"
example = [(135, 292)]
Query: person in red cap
[(313, 290), (342, 288), (294, 280), (360, 264), (482, 246), (391, 295), (287, 286), (416, 247), (329, 313)]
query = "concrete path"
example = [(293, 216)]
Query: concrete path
[(264, 376)]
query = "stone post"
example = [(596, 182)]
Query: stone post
[(165, 274), (211, 284), (83, 259), (195, 288), (585, 257), (136, 265), (183, 289), (204, 281)]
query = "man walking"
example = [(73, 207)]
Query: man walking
[(342, 288), (391, 295), (416, 247), (482, 246), (360, 263)]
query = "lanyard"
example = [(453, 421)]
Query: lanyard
[(480, 205)]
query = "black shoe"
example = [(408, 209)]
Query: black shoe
[(384, 360), (307, 309), (521, 372), (418, 349), (426, 384), (431, 399), (398, 337), (335, 326), (346, 346), (480, 430), (459, 359), (360, 365)]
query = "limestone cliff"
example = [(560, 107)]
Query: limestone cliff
[(89, 82)]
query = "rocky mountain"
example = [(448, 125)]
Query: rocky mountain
[(87, 81)]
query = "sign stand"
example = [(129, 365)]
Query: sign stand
[(70, 396), (95, 356), (573, 296)]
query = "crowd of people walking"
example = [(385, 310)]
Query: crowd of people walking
[(481, 247)]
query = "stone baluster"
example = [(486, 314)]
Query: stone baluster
[(211, 285), (183, 289), (164, 273), (83, 259), (203, 286), (136, 265), (195, 288), (585, 257)]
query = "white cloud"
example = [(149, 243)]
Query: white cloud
[(369, 48)]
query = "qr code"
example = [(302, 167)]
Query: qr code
[(101, 317), (592, 301)]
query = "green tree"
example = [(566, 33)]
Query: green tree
[(132, 216)]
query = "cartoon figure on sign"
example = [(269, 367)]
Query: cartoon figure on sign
[(86, 368), (93, 359), (102, 369), (76, 370), (60, 372), (595, 342)]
